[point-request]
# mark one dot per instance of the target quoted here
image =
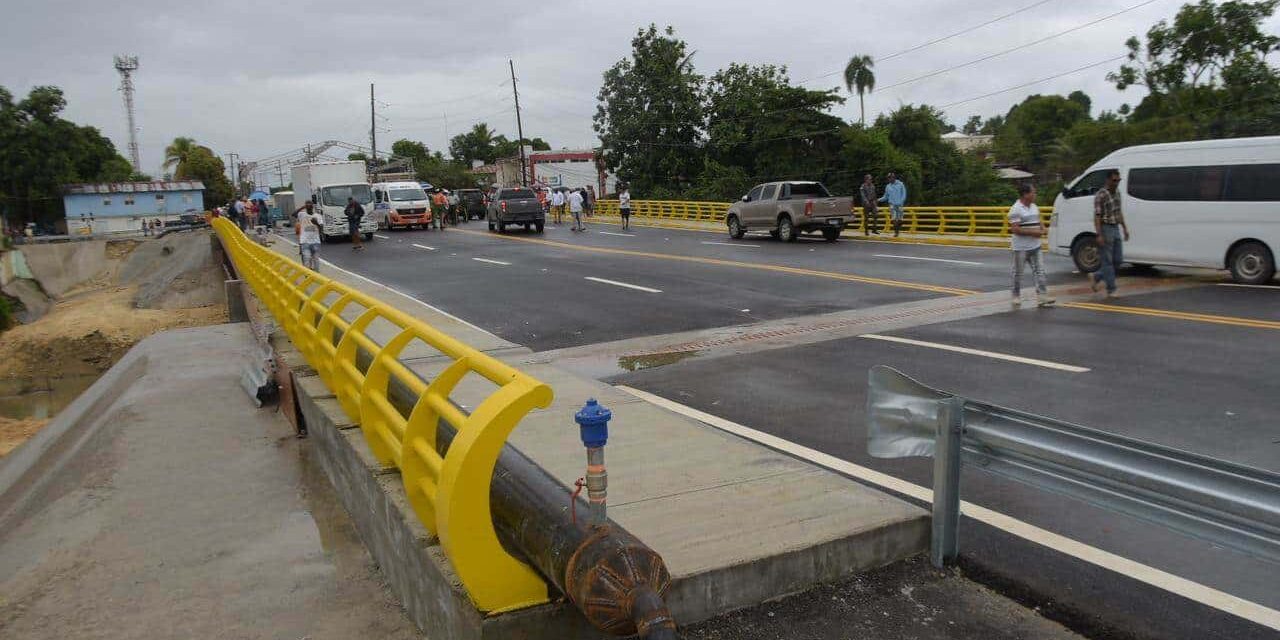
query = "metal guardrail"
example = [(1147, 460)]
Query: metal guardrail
[(950, 220), (1224, 503), (449, 494)]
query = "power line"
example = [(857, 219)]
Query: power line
[(1027, 84)]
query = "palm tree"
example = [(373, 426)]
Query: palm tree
[(858, 75), (179, 152)]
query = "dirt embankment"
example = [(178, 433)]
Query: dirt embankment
[(142, 288)]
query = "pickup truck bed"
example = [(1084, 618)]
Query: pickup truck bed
[(787, 209)]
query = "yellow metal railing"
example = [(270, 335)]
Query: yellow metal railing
[(950, 220), (450, 494)]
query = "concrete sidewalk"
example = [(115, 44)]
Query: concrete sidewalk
[(736, 523), (162, 504)]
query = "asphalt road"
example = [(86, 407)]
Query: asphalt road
[(1192, 368)]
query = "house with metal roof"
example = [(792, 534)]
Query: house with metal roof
[(123, 206)]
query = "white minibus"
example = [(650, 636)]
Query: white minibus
[(1209, 203)]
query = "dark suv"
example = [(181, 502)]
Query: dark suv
[(515, 205), (470, 204)]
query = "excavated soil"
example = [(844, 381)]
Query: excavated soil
[(14, 432)]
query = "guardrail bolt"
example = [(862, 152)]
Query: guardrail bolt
[(593, 424)]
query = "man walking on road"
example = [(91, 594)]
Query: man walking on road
[(1108, 221), (870, 211), (575, 208), (1025, 232), (354, 213), (624, 207), (309, 223), (895, 193)]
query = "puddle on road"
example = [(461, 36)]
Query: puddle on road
[(40, 398), (651, 360)]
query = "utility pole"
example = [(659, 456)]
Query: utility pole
[(524, 172), (231, 165), (373, 131)]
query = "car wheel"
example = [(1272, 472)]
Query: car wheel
[(773, 233), (1086, 254), (735, 228), (368, 237), (831, 233), (786, 230), (1252, 263)]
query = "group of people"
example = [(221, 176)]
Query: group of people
[(152, 227), (579, 202), (895, 195), (246, 213)]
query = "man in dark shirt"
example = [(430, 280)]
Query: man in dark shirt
[(354, 213)]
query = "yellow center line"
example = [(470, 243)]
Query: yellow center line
[(1177, 315), (734, 263)]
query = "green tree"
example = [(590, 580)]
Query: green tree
[(178, 152), (476, 144), (759, 122), (649, 115), (434, 167), (358, 156), (859, 76), (204, 165), (1034, 125), (973, 125)]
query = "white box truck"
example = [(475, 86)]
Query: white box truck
[(329, 184)]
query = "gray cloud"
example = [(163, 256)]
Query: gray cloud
[(265, 77)]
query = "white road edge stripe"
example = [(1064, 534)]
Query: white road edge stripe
[(733, 244), (610, 233), (423, 246), (623, 284), (381, 236), (976, 352), (1249, 286), (399, 293), (889, 255), (1203, 594), (505, 264)]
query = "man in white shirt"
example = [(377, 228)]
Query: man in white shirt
[(624, 207), (1025, 232), (575, 208), (309, 223), (557, 204)]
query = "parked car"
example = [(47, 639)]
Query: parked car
[(471, 203), (400, 204), (787, 209), (515, 205)]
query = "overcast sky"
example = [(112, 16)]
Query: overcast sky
[(260, 78)]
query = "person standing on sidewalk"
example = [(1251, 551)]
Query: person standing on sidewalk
[(588, 201), (895, 193), (309, 223), (1108, 221), (575, 209), (557, 204), (870, 210), (354, 213), (624, 206), (1025, 232)]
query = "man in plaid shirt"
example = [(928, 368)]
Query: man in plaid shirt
[(1108, 222)]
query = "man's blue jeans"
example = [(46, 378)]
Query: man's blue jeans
[(1112, 255)]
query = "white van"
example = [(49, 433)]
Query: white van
[(400, 204), (1210, 203)]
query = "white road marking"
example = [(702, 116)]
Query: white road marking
[(976, 352), (505, 264), (623, 284), (1249, 286), (610, 233), (399, 293), (889, 255), (1178, 585), (423, 246), (381, 236), (733, 244)]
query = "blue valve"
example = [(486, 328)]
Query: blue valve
[(593, 422)]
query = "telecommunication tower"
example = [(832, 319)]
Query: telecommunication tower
[(126, 65)]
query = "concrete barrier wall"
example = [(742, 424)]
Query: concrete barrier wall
[(61, 267)]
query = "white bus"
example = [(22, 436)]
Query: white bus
[(1210, 203)]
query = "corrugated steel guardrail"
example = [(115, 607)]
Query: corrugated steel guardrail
[(451, 494), (944, 220)]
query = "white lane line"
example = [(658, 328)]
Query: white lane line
[(381, 236), (400, 293), (610, 233), (733, 244), (1203, 594), (889, 255), (423, 246), (976, 352), (505, 264), (623, 284), (1249, 286)]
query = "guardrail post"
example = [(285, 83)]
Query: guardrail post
[(945, 543)]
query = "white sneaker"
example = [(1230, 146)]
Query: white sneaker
[(1016, 303), (1045, 301)]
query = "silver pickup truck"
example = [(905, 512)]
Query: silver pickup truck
[(788, 209)]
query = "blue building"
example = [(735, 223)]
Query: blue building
[(123, 206)]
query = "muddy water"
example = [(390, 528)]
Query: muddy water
[(40, 397)]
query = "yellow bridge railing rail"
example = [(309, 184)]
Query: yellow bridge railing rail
[(947, 220), (330, 324)]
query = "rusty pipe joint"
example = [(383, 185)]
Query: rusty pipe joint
[(593, 426)]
